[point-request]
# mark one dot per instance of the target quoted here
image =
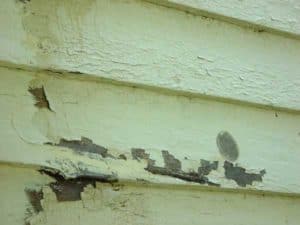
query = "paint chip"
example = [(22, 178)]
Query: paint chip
[(171, 163), (206, 167), (40, 97), (83, 145), (139, 153), (70, 189)]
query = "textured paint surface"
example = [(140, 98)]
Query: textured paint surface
[(138, 204), (276, 14), (137, 42), (166, 130), (150, 148)]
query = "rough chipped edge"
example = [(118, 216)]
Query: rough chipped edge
[(190, 186)]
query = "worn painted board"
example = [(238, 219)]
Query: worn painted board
[(277, 15), (82, 127), (135, 204), (147, 44)]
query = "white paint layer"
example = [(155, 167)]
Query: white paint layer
[(276, 14), (120, 118), (152, 45), (145, 204)]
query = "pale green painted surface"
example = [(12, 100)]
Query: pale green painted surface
[(250, 77), (121, 118), (142, 204), (146, 44)]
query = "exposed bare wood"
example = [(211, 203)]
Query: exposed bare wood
[(112, 132)]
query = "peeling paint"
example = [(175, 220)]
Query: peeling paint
[(70, 189), (72, 170), (240, 176), (35, 198), (40, 97), (171, 163), (122, 156), (173, 169), (139, 204), (84, 145), (206, 167), (139, 153)]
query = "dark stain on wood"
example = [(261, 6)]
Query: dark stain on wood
[(122, 156), (40, 97), (171, 163), (206, 167), (240, 176), (35, 197), (67, 189), (227, 146), (70, 189), (75, 72), (139, 153)]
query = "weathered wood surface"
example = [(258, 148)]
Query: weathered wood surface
[(198, 121), (82, 127), (147, 44), (277, 15), (135, 204)]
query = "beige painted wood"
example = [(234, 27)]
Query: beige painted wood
[(123, 117), (278, 15), (147, 44), (142, 204)]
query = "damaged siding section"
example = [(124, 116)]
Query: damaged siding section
[(84, 145), (199, 55), (91, 136), (136, 126), (173, 169), (130, 203)]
